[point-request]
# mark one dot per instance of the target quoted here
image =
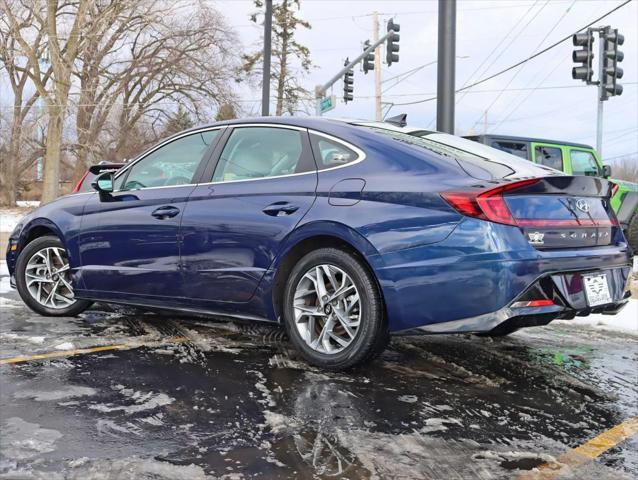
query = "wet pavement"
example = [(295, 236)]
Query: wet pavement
[(198, 398)]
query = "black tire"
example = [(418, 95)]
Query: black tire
[(632, 233), (25, 255), (372, 335)]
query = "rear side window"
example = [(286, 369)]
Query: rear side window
[(583, 163), (549, 156), (331, 153), (261, 152), (515, 148)]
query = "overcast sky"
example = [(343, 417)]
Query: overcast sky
[(510, 30)]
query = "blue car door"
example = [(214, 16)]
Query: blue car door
[(129, 240), (258, 190)]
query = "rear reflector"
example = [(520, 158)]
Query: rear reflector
[(79, 184), (533, 303)]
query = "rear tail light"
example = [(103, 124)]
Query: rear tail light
[(488, 204), (491, 205), (80, 182)]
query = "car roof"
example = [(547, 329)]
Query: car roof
[(514, 138)]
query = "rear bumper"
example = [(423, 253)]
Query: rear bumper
[(566, 292), (469, 281)]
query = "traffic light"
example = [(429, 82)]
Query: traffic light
[(583, 55), (611, 72), (392, 43), (348, 81), (368, 60)]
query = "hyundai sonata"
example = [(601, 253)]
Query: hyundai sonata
[(342, 232)]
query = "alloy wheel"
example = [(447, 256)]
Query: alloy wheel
[(48, 278), (327, 309)]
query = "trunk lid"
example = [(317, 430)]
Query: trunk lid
[(564, 212), (552, 212)]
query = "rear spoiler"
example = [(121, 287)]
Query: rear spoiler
[(101, 167)]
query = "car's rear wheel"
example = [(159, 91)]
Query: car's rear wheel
[(43, 278), (333, 310)]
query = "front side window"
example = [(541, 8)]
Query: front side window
[(260, 152), (330, 153), (549, 156), (583, 163), (515, 148), (172, 164)]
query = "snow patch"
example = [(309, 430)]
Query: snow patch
[(69, 392), (142, 401), (5, 282), (625, 321), (133, 467), (22, 440), (37, 339), (408, 398), (28, 203)]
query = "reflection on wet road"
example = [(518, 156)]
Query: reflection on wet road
[(234, 401)]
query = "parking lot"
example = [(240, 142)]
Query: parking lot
[(119, 393)]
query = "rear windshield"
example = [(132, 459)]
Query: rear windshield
[(474, 165)]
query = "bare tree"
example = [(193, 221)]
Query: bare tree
[(285, 51), (116, 72), (13, 159), (64, 42)]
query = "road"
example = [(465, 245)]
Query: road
[(119, 393)]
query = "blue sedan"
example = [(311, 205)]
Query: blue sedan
[(343, 232)]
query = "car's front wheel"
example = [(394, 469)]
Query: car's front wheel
[(333, 310), (43, 278)]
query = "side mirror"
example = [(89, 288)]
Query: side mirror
[(103, 183), (606, 171)]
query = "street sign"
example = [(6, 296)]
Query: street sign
[(328, 103)]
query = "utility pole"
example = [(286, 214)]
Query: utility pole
[(377, 68), (485, 123), (265, 87), (446, 67)]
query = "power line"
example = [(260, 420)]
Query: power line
[(531, 57), (560, 19), (621, 155), (496, 48)]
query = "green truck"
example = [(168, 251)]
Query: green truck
[(574, 159)]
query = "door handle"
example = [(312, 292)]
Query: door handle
[(279, 209), (165, 212)]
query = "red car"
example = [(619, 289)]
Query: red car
[(84, 184)]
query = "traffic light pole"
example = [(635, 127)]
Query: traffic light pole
[(377, 68), (322, 89), (601, 95)]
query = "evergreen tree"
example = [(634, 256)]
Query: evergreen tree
[(290, 59), (226, 112), (181, 120)]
